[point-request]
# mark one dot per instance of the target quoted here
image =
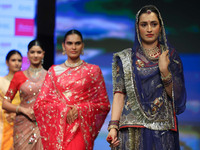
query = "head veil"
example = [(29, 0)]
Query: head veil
[(162, 36)]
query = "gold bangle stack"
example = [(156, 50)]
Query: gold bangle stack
[(167, 77), (167, 80), (17, 109), (113, 124), (113, 127)]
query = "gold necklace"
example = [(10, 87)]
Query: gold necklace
[(152, 53), (73, 65), (33, 73), (9, 77), (35, 70)]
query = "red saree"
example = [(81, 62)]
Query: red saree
[(82, 87)]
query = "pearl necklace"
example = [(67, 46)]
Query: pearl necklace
[(73, 65)]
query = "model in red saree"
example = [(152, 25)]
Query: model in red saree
[(83, 87)]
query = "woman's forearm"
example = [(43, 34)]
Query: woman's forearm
[(168, 89), (167, 80), (10, 107), (117, 106)]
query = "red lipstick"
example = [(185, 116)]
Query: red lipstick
[(149, 35)]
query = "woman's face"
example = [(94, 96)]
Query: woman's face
[(149, 28), (73, 46), (35, 55), (14, 63)]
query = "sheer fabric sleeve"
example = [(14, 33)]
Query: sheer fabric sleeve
[(118, 81), (18, 79), (178, 90)]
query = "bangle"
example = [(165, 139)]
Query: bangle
[(7, 98), (113, 127), (17, 109), (167, 80), (167, 77), (113, 124), (166, 83)]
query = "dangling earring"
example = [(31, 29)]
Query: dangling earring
[(82, 52), (64, 52), (42, 62), (28, 61)]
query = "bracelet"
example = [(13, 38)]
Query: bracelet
[(7, 98), (166, 83), (113, 127), (167, 77), (113, 124), (17, 109)]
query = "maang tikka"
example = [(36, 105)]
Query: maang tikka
[(148, 11)]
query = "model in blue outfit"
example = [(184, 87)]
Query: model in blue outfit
[(149, 89)]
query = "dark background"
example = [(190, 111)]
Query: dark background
[(181, 19)]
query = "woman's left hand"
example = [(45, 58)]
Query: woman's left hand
[(72, 114), (164, 61), (112, 138), (10, 116), (28, 112)]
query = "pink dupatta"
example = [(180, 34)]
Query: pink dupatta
[(83, 87)]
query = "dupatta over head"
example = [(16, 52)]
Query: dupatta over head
[(147, 103)]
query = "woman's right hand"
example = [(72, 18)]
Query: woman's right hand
[(112, 138), (72, 114), (28, 112)]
